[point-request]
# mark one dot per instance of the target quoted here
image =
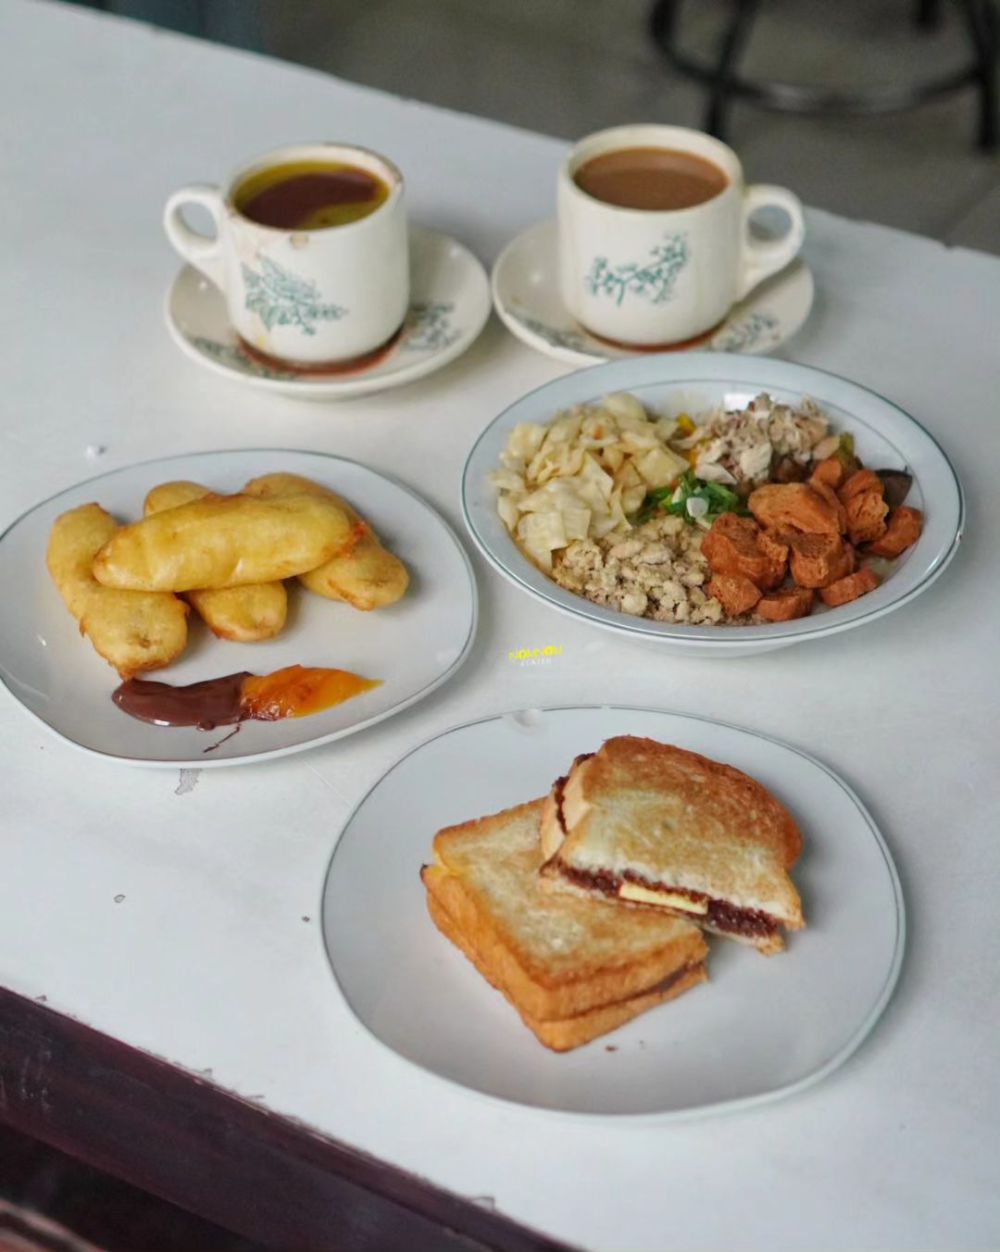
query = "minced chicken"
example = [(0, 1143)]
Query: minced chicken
[(656, 570)]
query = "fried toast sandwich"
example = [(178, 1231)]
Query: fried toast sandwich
[(658, 827), (573, 968)]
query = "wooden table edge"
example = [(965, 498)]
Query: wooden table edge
[(188, 1141)]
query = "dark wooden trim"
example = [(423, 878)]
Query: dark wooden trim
[(181, 1138)]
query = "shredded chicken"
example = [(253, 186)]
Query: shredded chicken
[(656, 570), (571, 494), (741, 446)]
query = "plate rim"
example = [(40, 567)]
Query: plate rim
[(289, 749), (366, 384), (584, 358), (734, 639), (660, 1117)]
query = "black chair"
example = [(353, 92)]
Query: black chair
[(724, 82)]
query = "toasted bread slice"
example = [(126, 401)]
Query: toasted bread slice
[(659, 827), (562, 1034), (555, 957)]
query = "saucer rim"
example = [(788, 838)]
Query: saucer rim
[(572, 356), (365, 382)]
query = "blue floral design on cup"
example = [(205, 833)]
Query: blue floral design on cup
[(652, 280), (281, 298)]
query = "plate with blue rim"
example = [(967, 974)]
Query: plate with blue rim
[(412, 646), (762, 1028), (700, 383)]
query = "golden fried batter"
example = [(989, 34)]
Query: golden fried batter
[(246, 614), (134, 631), (224, 541), (366, 575)]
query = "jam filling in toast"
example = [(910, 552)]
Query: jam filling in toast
[(719, 914)]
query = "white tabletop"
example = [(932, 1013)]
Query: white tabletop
[(165, 911)]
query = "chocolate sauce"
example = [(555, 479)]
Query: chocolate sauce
[(215, 702), (753, 923)]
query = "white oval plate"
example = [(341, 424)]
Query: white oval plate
[(885, 437), (413, 646), (761, 1028), (525, 287), (449, 305)]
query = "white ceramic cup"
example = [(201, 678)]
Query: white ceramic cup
[(309, 297), (660, 276)]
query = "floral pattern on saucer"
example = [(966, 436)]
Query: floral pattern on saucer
[(232, 356), (754, 333), (525, 286), (449, 304), (428, 328), (574, 340)]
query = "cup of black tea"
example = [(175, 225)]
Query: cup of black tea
[(654, 239), (310, 252)]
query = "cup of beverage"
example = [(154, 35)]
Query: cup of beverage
[(655, 245), (310, 252)]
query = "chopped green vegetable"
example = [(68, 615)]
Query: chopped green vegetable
[(845, 453), (714, 498)]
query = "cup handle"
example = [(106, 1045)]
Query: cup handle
[(761, 258), (202, 251)]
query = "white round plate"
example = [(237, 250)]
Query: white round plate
[(761, 1028), (525, 285), (413, 646), (449, 305), (885, 438)]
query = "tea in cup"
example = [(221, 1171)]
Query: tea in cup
[(654, 234), (310, 252)]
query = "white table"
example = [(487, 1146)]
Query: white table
[(99, 120)]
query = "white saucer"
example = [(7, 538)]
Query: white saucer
[(526, 297), (449, 304)]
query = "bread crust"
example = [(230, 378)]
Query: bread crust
[(666, 817), (645, 764), (550, 827), (553, 955), (564, 1034)]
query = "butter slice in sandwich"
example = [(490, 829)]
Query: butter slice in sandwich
[(655, 826), (661, 898), (573, 968)]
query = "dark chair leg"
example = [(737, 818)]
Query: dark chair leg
[(981, 20), (927, 14), (663, 22), (730, 51)]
